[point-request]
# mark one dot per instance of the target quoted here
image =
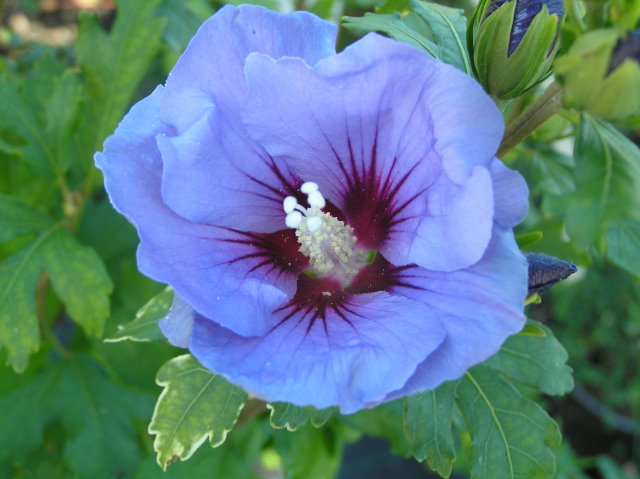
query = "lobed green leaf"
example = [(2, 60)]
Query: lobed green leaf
[(19, 331), (537, 360), (80, 280), (43, 111), (78, 276), (194, 406), (511, 434), (427, 425)]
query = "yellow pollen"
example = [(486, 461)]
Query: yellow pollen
[(328, 247)]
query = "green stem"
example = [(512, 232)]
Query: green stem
[(545, 106)]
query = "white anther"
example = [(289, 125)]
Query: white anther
[(294, 219), (289, 204), (314, 223), (309, 187), (315, 199)]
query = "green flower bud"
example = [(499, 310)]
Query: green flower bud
[(601, 74), (514, 44)]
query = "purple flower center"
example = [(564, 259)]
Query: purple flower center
[(328, 243), (321, 248)]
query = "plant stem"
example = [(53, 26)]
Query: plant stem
[(545, 106)]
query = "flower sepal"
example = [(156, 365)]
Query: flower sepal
[(507, 62)]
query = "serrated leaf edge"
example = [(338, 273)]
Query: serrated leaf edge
[(287, 425), (206, 436)]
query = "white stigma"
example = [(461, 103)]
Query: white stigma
[(325, 240), (295, 212), (309, 187), (290, 204)]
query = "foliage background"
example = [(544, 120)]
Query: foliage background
[(75, 405)]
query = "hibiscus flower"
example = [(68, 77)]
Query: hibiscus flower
[(336, 227)]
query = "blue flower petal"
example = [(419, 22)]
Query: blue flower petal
[(511, 194), (455, 228), (214, 175), (349, 360), (206, 265), (210, 71), (177, 325), (479, 307), (384, 123)]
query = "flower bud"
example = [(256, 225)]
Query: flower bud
[(546, 270), (514, 43), (601, 74)]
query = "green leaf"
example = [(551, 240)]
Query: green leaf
[(427, 425), (145, 325), (285, 415), (20, 118), (449, 29), (552, 172), (408, 28), (19, 331), (43, 109), (95, 413), (310, 453), (80, 280), (194, 406), (18, 218), (437, 30), (623, 245), (511, 434), (537, 360), (78, 277), (114, 63), (607, 176), (62, 115), (22, 429)]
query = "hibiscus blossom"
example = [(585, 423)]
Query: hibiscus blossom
[(336, 227)]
